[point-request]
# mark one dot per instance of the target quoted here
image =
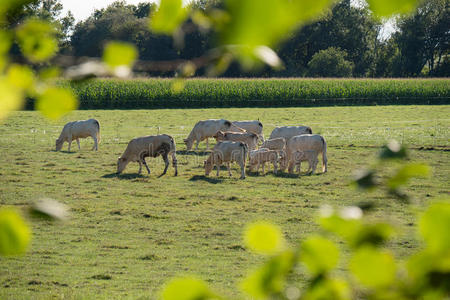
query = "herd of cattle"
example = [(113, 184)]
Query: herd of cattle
[(237, 141)]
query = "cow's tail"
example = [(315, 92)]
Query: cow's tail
[(98, 131), (173, 149), (324, 155)]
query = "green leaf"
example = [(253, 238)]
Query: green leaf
[(37, 40), (56, 102), (118, 54), (329, 289), (365, 179), (406, 172), (386, 8), (5, 45), (11, 98), (373, 268), (49, 73), (169, 16), (319, 255), (50, 209), (256, 23), (187, 289), (21, 77), (270, 278), (434, 226), (393, 150), (14, 233), (373, 234), (264, 238)]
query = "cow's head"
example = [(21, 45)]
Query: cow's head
[(219, 136), (59, 143), (282, 160), (208, 165), (122, 162), (188, 143)]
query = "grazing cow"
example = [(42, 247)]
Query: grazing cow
[(304, 143), (261, 156), (148, 146), (249, 138), (206, 129), (275, 144), (226, 152), (79, 129), (251, 126), (289, 131)]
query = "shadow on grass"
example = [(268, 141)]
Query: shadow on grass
[(63, 151), (123, 176), (286, 175), (205, 178), (191, 152)]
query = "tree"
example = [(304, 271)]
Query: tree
[(330, 62), (423, 38)]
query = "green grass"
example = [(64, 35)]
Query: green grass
[(158, 93), (128, 235)]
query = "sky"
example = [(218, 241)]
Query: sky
[(81, 9)]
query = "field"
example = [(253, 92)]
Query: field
[(129, 234), (201, 93)]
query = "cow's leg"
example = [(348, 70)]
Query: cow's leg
[(174, 163), (263, 167), (95, 143), (196, 144), (291, 166), (229, 168), (242, 165), (218, 168), (78, 142), (140, 167), (275, 167), (145, 164), (207, 144), (166, 162)]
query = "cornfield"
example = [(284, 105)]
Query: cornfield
[(167, 93)]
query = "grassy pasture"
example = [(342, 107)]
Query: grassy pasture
[(128, 235)]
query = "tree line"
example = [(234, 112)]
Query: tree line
[(347, 41)]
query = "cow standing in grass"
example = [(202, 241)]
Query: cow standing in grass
[(148, 146), (307, 145), (227, 152), (77, 130), (206, 129)]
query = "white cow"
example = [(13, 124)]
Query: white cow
[(261, 156), (148, 146), (206, 129), (304, 143), (226, 152), (308, 155), (249, 138), (251, 126), (79, 129), (289, 131), (275, 144)]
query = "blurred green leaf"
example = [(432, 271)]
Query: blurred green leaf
[(434, 226), (5, 45), (270, 278), (393, 150), (264, 238), (373, 268), (386, 8), (256, 23), (119, 54), (15, 234), (406, 172), (49, 73), (373, 234), (55, 102), (365, 179), (37, 40), (50, 209), (21, 77), (319, 255), (11, 98), (329, 289), (169, 16), (187, 289)]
